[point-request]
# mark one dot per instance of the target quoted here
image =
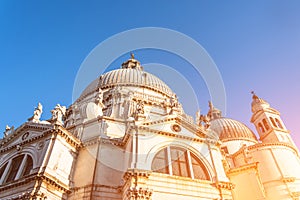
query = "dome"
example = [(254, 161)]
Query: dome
[(128, 75), (229, 129)]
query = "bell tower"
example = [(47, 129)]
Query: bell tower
[(268, 122)]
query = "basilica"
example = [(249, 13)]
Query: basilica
[(127, 137)]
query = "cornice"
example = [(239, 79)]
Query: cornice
[(224, 185), (69, 138), (23, 128), (265, 145), (169, 134), (53, 182), (243, 168), (19, 182)]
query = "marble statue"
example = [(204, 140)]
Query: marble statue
[(37, 114), (58, 113)]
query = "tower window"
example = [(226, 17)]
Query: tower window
[(273, 122), (261, 128), (183, 163), (266, 125), (279, 123)]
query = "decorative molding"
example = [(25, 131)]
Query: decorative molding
[(288, 179), (225, 185), (296, 194), (136, 173), (19, 182), (243, 168), (69, 138), (139, 193), (53, 182), (86, 187), (204, 140), (23, 128), (268, 145)]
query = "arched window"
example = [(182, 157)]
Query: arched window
[(28, 166), (14, 168), (18, 167), (261, 128), (278, 123), (179, 162), (266, 125), (160, 163), (273, 122)]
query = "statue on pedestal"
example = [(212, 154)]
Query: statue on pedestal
[(37, 114), (8, 130)]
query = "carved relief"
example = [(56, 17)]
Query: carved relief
[(40, 145)]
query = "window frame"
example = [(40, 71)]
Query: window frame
[(14, 169), (184, 159)]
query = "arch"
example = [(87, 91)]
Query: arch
[(32, 152), (28, 166), (203, 154), (14, 168), (20, 165), (178, 161)]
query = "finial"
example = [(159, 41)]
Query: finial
[(132, 55)]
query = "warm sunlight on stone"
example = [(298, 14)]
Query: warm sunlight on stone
[(127, 137)]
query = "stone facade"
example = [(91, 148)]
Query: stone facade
[(128, 138)]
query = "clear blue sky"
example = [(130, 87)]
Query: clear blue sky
[(255, 44)]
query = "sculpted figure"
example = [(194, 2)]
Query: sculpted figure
[(7, 130), (58, 113), (173, 101), (37, 114), (140, 107), (99, 98)]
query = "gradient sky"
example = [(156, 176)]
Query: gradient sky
[(255, 44)]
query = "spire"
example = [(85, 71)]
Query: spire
[(132, 63), (258, 103)]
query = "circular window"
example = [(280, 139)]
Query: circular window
[(176, 128)]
